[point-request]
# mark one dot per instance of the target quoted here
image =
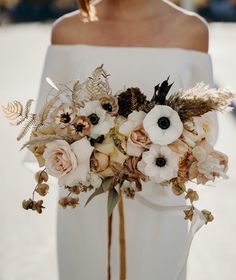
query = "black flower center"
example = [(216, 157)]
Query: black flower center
[(107, 107), (94, 119), (79, 127), (163, 123), (160, 161), (98, 140), (65, 118)]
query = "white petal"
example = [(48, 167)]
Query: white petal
[(127, 127), (82, 149), (156, 135), (133, 150), (70, 179), (137, 117), (151, 170)]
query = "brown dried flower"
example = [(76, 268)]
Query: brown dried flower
[(208, 216), (42, 189), (80, 127), (41, 176), (188, 214), (69, 201), (130, 100), (132, 173), (192, 195), (178, 187), (109, 103), (33, 205)]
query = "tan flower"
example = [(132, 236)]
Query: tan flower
[(109, 103), (188, 214), (63, 116), (208, 164), (105, 153), (99, 161), (33, 205), (192, 195), (132, 172), (208, 216), (79, 128), (69, 201), (42, 189), (138, 139)]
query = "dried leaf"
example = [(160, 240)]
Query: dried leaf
[(112, 200), (96, 193), (29, 123), (42, 140), (51, 83)]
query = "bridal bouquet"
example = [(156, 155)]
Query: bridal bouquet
[(93, 141)]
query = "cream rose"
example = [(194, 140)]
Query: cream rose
[(69, 163), (138, 140)]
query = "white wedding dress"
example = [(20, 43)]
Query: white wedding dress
[(156, 237)]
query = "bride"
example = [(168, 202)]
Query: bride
[(140, 43)]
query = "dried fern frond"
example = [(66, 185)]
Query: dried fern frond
[(98, 83), (199, 100), (30, 121), (43, 115), (13, 112), (80, 94), (42, 140)]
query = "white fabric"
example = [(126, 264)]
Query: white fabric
[(156, 240)]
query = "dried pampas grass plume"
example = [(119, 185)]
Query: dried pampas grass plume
[(87, 11), (199, 100)]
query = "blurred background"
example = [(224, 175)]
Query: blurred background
[(42, 10), (27, 241)]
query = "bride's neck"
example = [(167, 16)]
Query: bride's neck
[(127, 9)]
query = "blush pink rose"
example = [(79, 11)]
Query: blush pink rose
[(69, 163)]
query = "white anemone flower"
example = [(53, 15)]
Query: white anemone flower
[(163, 125), (100, 120), (160, 164)]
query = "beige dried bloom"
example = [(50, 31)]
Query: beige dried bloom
[(33, 205), (109, 103), (188, 214), (42, 189), (41, 176), (69, 201), (208, 216), (192, 195), (79, 128), (178, 187)]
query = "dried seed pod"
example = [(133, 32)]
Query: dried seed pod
[(192, 195), (38, 206), (42, 189), (177, 187), (188, 214), (28, 204), (207, 214), (41, 176), (63, 202)]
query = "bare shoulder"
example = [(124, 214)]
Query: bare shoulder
[(197, 31), (191, 28), (64, 29)]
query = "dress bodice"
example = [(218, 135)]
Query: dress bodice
[(128, 66)]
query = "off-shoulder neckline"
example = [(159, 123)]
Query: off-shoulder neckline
[(162, 49)]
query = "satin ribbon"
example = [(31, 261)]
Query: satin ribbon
[(198, 221), (121, 241)]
